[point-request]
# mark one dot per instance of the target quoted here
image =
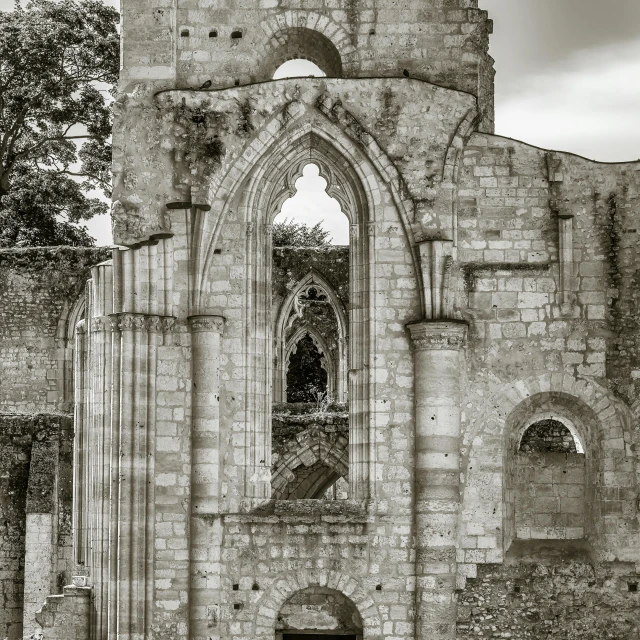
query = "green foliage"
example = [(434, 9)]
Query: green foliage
[(290, 233), (58, 62)]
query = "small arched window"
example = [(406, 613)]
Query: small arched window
[(307, 52)]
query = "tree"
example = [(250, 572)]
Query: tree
[(58, 62), (290, 233)]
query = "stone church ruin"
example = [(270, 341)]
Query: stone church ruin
[(460, 456)]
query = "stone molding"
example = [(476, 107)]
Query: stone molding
[(206, 323), (438, 335), (133, 322)]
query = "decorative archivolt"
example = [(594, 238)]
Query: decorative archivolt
[(269, 166), (293, 305), (248, 193)]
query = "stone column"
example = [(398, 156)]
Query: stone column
[(205, 358), (206, 536), (437, 366)]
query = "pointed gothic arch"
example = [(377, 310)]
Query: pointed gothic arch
[(282, 346), (249, 204), (338, 129)]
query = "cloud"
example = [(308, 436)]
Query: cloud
[(588, 105)]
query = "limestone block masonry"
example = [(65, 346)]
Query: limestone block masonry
[(488, 286)]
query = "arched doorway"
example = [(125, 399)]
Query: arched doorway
[(318, 613)]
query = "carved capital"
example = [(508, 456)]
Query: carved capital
[(206, 323), (154, 323), (438, 335), (100, 323), (168, 323)]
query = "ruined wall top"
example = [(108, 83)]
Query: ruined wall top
[(186, 43)]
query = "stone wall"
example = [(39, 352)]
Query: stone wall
[(536, 596), (41, 296), (491, 284), (236, 44), (35, 509), (550, 496), (545, 242)]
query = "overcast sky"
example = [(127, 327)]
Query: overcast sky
[(567, 78)]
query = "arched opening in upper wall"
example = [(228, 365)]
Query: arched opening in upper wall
[(298, 68), (293, 46)]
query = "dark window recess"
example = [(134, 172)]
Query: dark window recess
[(548, 436), (236, 35), (306, 377), (213, 33), (185, 33), (633, 587), (238, 605), (235, 587)]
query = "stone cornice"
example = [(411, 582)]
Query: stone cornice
[(206, 323), (438, 335)]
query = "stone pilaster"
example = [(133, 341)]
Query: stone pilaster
[(437, 365), (205, 358)]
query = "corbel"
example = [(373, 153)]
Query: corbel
[(436, 265)]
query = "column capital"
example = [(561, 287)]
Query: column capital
[(206, 323), (100, 323), (138, 322), (438, 335)]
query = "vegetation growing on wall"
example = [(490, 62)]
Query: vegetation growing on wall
[(290, 233)]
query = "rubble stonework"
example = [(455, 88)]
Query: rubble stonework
[(489, 286)]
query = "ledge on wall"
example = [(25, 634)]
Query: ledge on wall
[(549, 552)]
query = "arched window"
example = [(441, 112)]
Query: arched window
[(550, 480), (310, 291), (308, 611), (300, 44), (310, 204)]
